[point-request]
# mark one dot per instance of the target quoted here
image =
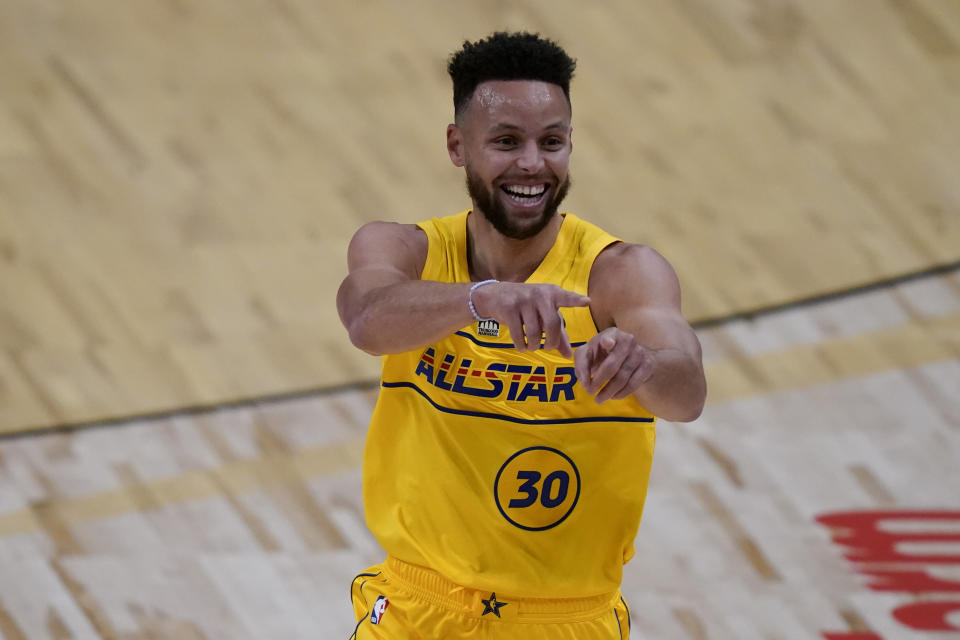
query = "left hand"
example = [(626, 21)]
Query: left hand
[(614, 364)]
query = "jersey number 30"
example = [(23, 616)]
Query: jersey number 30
[(558, 480), (537, 488)]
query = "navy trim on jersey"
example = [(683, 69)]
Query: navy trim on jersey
[(357, 577), (357, 628), (500, 345), (619, 628), (499, 416), (627, 607), (353, 582)]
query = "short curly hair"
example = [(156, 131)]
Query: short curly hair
[(508, 56)]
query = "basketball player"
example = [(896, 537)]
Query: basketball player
[(527, 355)]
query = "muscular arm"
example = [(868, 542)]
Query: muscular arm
[(382, 302), (645, 346), (387, 308)]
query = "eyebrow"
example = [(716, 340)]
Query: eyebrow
[(506, 126)]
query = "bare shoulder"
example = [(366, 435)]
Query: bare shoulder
[(378, 235), (621, 257), (388, 243), (633, 275)]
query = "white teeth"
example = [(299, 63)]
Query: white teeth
[(526, 190)]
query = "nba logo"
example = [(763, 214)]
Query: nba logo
[(379, 608)]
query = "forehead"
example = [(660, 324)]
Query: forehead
[(526, 103)]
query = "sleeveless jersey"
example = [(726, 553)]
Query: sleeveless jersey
[(494, 467)]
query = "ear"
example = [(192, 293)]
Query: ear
[(455, 145), (570, 139)]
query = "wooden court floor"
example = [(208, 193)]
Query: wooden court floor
[(178, 184), (246, 522), (179, 180)]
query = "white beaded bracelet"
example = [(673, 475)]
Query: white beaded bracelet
[(473, 309)]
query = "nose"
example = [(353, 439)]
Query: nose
[(530, 159)]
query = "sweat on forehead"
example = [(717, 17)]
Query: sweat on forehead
[(491, 94), (502, 97)]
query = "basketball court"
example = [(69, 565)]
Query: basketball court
[(182, 416)]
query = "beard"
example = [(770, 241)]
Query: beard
[(493, 210)]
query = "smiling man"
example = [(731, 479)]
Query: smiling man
[(527, 355)]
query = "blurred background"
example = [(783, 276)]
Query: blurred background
[(178, 185)]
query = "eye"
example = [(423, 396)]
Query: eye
[(505, 141), (553, 142)]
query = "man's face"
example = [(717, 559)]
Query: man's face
[(514, 142)]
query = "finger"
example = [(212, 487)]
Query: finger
[(607, 342), (640, 375), (603, 370), (619, 384), (585, 358), (515, 325), (605, 394), (532, 330), (567, 298), (563, 346), (552, 327), (632, 385), (588, 358), (581, 366)]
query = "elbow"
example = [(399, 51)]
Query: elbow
[(690, 407), (357, 321), (687, 413), (372, 337), (359, 328), (693, 408), (690, 413), (363, 338)]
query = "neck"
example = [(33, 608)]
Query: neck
[(493, 255)]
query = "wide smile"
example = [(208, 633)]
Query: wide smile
[(526, 195)]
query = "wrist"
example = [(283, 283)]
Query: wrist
[(471, 299)]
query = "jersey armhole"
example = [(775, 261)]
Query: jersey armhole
[(593, 252), (428, 270)]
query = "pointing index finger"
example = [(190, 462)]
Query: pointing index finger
[(568, 298)]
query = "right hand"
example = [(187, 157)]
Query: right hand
[(529, 311)]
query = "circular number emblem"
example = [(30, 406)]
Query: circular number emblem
[(537, 488)]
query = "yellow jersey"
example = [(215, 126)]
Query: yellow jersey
[(494, 467)]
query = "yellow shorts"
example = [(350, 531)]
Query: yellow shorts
[(396, 600)]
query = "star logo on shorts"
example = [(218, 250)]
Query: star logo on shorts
[(492, 605)]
